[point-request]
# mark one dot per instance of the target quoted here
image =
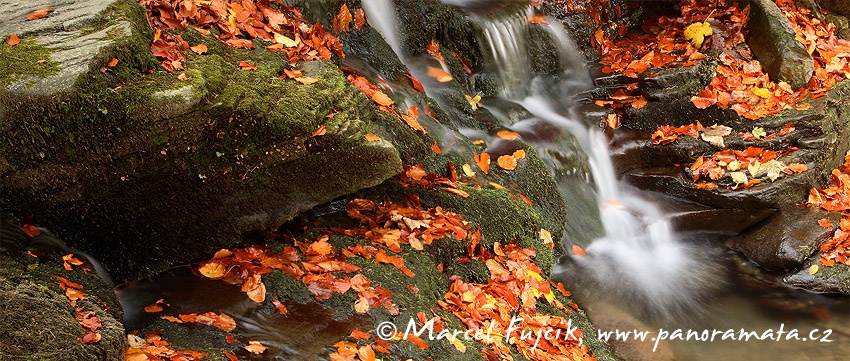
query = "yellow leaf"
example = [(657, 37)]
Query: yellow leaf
[(441, 75), (284, 40), (813, 269), (697, 32), (468, 170), (761, 92), (739, 177), (473, 101)]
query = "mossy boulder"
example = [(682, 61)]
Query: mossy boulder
[(37, 318), (148, 171)]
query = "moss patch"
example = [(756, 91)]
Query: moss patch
[(29, 58)]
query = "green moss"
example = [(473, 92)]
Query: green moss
[(19, 61)]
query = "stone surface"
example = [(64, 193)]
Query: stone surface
[(835, 279), (67, 32), (838, 6), (787, 239), (771, 38), (37, 322)]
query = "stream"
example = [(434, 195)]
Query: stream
[(639, 273)]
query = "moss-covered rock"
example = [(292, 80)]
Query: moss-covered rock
[(37, 318)]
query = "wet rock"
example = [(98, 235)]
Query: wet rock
[(787, 239), (835, 279), (771, 38), (837, 6), (728, 221)]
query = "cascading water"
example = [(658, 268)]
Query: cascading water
[(638, 256)]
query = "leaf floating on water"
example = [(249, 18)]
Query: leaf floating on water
[(255, 347), (441, 75), (578, 251), (507, 134)]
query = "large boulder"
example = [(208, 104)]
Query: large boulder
[(772, 40), (146, 171)]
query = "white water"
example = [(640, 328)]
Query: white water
[(639, 258)]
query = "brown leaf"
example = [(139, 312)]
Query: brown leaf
[(342, 19), (199, 49), (247, 66), (91, 337), (112, 63), (13, 40), (40, 13), (359, 18), (320, 131), (255, 347)]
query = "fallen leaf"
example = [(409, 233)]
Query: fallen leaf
[(229, 356), (91, 337), (825, 223), (507, 134), (774, 169), (322, 130), (483, 162), (13, 40), (798, 167), (182, 77), (813, 269), (507, 162), (441, 75), (112, 63), (255, 347), (381, 98), (306, 80), (247, 66), (199, 49), (280, 307), (343, 19), (371, 137), (697, 32), (40, 13), (715, 134), (578, 251), (467, 170)]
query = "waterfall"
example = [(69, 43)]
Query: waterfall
[(639, 257)]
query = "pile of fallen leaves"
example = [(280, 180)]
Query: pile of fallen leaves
[(835, 198), (753, 161), (237, 24), (739, 83), (514, 289), (153, 347)]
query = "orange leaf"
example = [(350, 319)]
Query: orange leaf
[(438, 73), (825, 223), (412, 119), (416, 341), (182, 77), (255, 347), (507, 162), (640, 102), (359, 18), (381, 98), (483, 162), (519, 154), (247, 66), (230, 356), (433, 49), (798, 167), (112, 63), (372, 138), (360, 335), (578, 251), (280, 307), (343, 19), (366, 353), (507, 134), (436, 148), (320, 131), (40, 13), (213, 270), (13, 40), (199, 49)]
